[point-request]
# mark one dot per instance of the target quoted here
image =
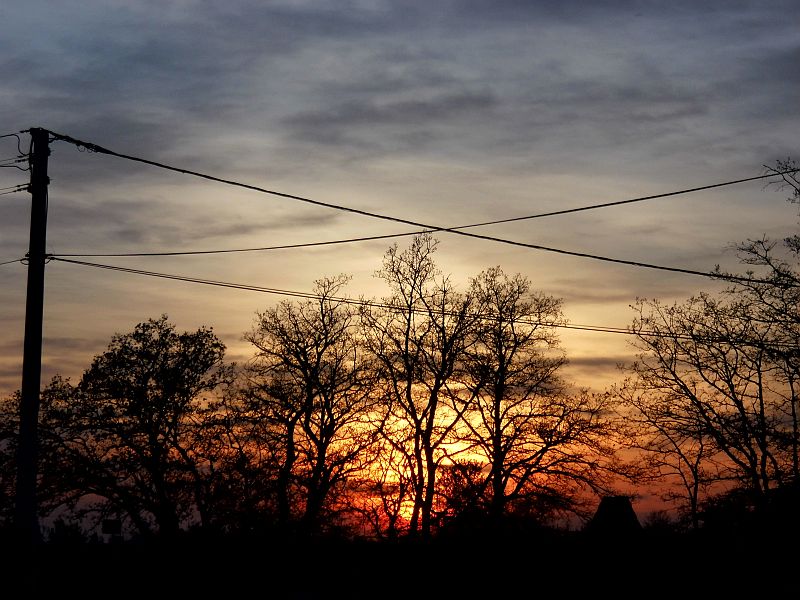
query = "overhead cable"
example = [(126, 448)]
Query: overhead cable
[(19, 140), (257, 249), (14, 191), (100, 150), (368, 303), (304, 295)]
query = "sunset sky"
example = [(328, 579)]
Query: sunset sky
[(445, 113)]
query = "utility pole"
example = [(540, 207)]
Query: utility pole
[(27, 517)]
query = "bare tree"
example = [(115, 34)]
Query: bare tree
[(417, 335), (676, 451), (708, 362), (508, 378), (380, 500), (314, 387), (774, 297), (713, 398), (773, 294), (519, 418), (243, 447)]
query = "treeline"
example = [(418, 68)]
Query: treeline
[(375, 418), (711, 404), (431, 410)]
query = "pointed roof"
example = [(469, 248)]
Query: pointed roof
[(615, 515)]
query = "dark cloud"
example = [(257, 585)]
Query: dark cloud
[(658, 102), (138, 76), (773, 77), (54, 345), (144, 77), (239, 358), (59, 345), (398, 69), (13, 346), (597, 372), (154, 224), (68, 366), (10, 378), (592, 293), (10, 374), (202, 229), (61, 356), (286, 28), (369, 123), (598, 363), (509, 12)]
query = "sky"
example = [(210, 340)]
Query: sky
[(445, 113)]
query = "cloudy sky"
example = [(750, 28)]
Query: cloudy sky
[(445, 113)]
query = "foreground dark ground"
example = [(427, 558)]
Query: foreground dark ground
[(546, 563)]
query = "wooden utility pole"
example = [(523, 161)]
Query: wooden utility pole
[(27, 517)]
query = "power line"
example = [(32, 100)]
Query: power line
[(14, 135), (19, 140), (377, 237), (13, 166), (311, 296), (14, 191), (258, 249), (100, 150), (303, 295), (8, 262), (711, 275)]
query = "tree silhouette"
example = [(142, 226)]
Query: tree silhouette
[(535, 438), (417, 335), (126, 428), (55, 489), (713, 397), (774, 299), (313, 387), (709, 360), (676, 449)]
